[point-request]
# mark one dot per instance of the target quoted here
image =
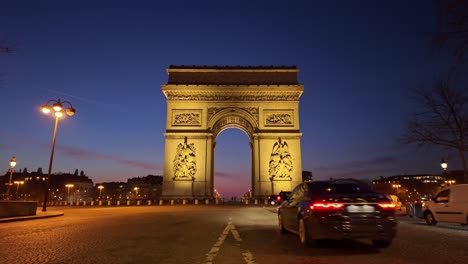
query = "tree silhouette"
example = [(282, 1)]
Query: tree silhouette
[(76, 172), (442, 119), (82, 173), (39, 170)]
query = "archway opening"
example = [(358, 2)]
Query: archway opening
[(232, 164)]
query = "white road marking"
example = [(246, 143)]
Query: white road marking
[(210, 257)]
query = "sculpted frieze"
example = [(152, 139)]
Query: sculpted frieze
[(251, 110), (247, 97), (186, 117), (185, 163), (278, 118), (281, 163)]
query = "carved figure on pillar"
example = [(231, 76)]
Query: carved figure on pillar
[(185, 164), (281, 163)]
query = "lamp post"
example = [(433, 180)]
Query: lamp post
[(444, 166), (397, 186), (17, 186), (100, 187), (136, 192), (68, 191), (12, 167), (57, 106)]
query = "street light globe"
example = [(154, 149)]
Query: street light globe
[(70, 111), (101, 187), (45, 109), (443, 164), (13, 162), (57, 106), (59, 114)]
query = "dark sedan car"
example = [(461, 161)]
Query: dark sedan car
[(338, 209)]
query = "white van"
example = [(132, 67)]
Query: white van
[(449, 205)]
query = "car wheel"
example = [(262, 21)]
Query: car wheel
[(304, 235), (280, 224), (381, 243), (430, 220)]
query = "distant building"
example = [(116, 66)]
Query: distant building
[(34, 184), (144, 188), (409, 187)]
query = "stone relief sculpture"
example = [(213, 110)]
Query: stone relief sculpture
[(252, 110), (281, 163), (187, 119), (185, 164), (279, 119)]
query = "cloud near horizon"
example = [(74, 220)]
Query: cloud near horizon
[(358, 168), (80, 154)]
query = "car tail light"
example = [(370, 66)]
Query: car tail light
[(326, 206), (387, 206), (278, 198)]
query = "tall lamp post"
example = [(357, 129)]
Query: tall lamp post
[(57, 106), (17, 187), (136, 192), (100, 187), (12, 167), (444, 166), (68, 191)]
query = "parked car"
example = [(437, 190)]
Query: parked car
[(277, 199), (414, 208), (338, 209), (449, 205)]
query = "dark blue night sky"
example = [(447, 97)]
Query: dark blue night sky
[(358, 62)]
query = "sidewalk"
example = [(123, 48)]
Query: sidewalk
[(39, 215)]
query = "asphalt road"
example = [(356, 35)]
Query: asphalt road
[(208, 234)]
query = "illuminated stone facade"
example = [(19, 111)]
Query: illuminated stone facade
[(203, 101)]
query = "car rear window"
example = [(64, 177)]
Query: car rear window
[(338, 188)]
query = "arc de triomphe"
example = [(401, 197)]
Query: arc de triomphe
[(202, 101)]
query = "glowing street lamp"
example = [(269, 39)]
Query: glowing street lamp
[(100, 187), (68, 190), (136, 191), (444, 166), (17, 186), (57, 106), (12, 167)]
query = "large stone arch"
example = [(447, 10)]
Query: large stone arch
[(203, 101)]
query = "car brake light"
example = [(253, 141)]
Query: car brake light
[(387, 206), (278, 198), (326, 206)]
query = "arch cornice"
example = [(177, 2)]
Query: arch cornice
[(232, 92)]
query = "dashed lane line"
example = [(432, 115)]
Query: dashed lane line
[(230, 228)]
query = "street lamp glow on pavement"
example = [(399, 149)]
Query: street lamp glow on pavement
[(57, 106), (12, 167)]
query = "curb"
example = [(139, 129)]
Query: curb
[(32, 217)]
